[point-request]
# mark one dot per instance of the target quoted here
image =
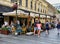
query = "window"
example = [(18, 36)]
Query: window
[(20, 2), (35, 5), (13, 1), (41, 10), (45, 11), (31, 4), (38, 9), (26, 3)]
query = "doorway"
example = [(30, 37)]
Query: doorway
[(10, 19), (23, 20), (1, 19)]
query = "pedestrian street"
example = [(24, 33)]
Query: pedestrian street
[(52, 38)]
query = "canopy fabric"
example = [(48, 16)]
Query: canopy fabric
[(19, 12)]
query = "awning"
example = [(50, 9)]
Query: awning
[(19, 13)]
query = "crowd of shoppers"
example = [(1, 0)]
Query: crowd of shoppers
[(37, 26)]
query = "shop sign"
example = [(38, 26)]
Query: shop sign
[(42, 16), (36, 15), (32, 14), (48, 16), (26, 13)]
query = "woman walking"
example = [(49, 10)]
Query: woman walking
[(39, 28), (58, 27), (35, 27)]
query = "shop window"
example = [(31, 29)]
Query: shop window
[(23, 20)]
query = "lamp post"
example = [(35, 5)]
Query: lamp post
[(16, 13), (15, 6), (39, 17)]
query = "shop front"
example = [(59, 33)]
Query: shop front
[(37, 16), (52, 19), (32, 17), (49, 18), (42, 18), (4, 9), (21, 16), (13, 18)]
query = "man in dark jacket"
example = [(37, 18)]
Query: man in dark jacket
[(47, 27), (58, 27)]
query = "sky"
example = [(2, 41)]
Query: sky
[(53, 1)]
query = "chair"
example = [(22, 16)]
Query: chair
[(19, 30), (13, 30), (24, 30)]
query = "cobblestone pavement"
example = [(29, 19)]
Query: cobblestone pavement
[(52, 38)]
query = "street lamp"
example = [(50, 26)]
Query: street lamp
[(15, 6)]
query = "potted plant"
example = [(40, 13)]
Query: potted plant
[(5, 31)]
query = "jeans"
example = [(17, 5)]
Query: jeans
[(35, 28)]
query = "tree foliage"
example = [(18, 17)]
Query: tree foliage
[(58, 11)]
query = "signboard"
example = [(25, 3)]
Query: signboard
[(48, 16), (32, 14), (36, 15), (42, 16), (5, 9)]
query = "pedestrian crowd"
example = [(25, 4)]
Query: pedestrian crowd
[(37, 27)]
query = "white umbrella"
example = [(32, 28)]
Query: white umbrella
[(14, 13)]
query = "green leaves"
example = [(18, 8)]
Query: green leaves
[(58, 11), (4, 28)]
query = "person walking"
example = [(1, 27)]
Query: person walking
[(35, 27), (39, 25), (58, 28), (47, 27)]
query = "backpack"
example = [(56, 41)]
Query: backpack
[(47, 25)]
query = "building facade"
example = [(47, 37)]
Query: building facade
[(36, 9)]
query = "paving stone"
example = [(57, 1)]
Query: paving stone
[(52, 38)]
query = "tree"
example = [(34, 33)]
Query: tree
[(58, 11)]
